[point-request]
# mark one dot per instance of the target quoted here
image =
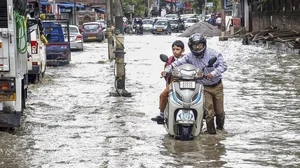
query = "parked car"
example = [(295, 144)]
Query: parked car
[(36, 62), (174, 25), (76, 39), (103, 23), (92, 31), (161, 26), (190, 22), (171, 16), (147, 24)]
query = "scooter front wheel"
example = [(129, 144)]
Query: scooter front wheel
[(185, 133)]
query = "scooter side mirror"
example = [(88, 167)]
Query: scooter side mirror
[(163, 58), (212, 61)]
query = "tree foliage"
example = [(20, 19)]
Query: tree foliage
[(140, 6), (199, 4)]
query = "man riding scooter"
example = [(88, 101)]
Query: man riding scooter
[(213, 86), (138, 26)]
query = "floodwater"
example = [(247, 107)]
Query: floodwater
[(72, 122)]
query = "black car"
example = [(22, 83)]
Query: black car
[(161, 27), (174, 25)]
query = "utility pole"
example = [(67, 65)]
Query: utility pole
[(148, 11), (54, 8), (119, 52), (223, 27), (204, 10), (74, 10), (109, 29)]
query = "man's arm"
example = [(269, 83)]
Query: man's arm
[(222, 66)]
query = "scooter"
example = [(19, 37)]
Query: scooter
[(183, 116), (138, 29)]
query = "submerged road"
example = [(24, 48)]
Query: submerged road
[(72, 122)]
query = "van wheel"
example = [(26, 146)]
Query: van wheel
[(31, 78)]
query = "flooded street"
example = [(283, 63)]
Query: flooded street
[(72, 122)]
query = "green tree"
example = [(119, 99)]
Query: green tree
[(198, 4), (140, 6)]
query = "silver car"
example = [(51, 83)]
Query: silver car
[(76, 39), (147, 24)]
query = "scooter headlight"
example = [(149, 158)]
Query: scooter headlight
[(185, 116)]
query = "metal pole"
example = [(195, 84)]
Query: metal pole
[(148, 11), (175, 6), (158, 1), (74, 12), (204, 11), (54, 8), (223, 27), (119, 53)]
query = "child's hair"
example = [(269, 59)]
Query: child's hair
[(178, 43)]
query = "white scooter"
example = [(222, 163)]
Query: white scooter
[(185, 109)]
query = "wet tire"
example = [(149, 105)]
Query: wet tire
[(185, 133), (32, 78)]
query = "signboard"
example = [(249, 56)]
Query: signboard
[(236, 22), (228, 4), (209, 4), (131, 8)]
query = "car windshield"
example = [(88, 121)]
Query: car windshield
[(191, 21), (173, 21), (91, 26), (160, 23), (171, 16), (72, 30), (102, 22), (147, 21)]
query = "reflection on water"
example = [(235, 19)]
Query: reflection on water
[(205, 151)]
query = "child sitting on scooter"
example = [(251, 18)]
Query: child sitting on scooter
[(177, 49)]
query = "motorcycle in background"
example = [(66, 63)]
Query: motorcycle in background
[(138, 29)]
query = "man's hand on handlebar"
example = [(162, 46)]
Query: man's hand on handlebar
[(209, 76)]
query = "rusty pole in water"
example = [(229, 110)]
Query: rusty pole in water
[(223, 37), (119, 52)]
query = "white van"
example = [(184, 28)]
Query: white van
[(36, 56)]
